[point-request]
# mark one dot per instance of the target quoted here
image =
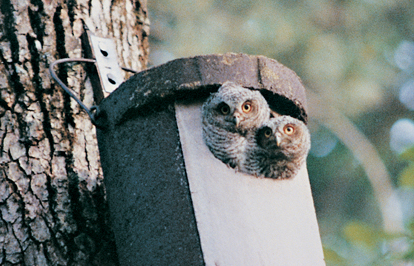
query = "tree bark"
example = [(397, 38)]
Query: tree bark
[(52, 197)]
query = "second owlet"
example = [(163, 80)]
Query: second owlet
[(278, 149), (229, 116)]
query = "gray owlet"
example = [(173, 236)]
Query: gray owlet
[(278, 149), (229, 116)]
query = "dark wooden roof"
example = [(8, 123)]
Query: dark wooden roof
[(196, 77)]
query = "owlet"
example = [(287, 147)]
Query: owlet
[(229, 116), (278, 149)]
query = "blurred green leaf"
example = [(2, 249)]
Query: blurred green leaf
[(360, 232), (333, 258), (410, 227), (408, 154), (407, 176), (409, 255)]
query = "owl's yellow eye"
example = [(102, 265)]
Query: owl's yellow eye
[(224, 109), (267, 133), (247, 107), (289, 129)]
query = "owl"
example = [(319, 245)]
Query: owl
[(229, 116), (278, 149)]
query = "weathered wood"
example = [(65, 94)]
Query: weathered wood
[(52, 197), (149, 200)]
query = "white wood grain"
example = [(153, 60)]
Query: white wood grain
[(244, 220)]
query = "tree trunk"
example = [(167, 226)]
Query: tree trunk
[(52, 197)]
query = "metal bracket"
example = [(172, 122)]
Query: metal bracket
[(107, 75)]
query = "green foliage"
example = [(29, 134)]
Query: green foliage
[(409, 255), (363, 244), (363, 233), (333, 258), (408, 154), (406, 178)]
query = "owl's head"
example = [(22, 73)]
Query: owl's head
[(236, 109), (284, 136)]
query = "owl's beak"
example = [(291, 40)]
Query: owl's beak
[(237, 118), (278, 139)]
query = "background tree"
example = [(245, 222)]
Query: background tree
[(52, 198)]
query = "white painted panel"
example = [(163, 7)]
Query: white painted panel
[(244, 220)]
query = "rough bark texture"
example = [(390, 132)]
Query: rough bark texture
[(52, 199)]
